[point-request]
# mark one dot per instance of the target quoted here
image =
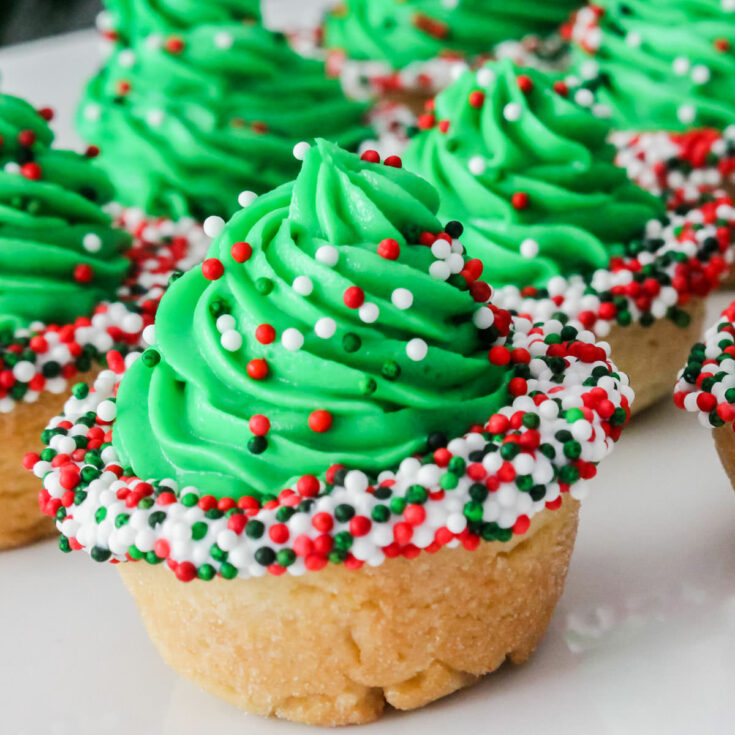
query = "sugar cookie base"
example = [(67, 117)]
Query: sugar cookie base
[(333, 647), (21, 520), (652, 356), (724, 437)]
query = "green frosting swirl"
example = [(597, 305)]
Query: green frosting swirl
[(401, 31), (131, 18), (187, 417), (50, 224), (667, 64), (581, 207), (184, 128)]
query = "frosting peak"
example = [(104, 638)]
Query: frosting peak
[(667, 64), (530, 175), (318, 331), (189, 116), (401, 31), (59, 254)]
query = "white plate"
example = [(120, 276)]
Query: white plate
[(643, 640)]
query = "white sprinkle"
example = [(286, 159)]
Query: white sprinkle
[(356, 481), (231, 340), (155, 118), (126, 58), (455, 262), (299, 150), (303, 285), (589, 70), (132, 323), (686, 114), (107, 411), (24, 371), (325, 327), (92, 243), (529, 248), (402, 298), (246, 198), (92, 113), (223, 40), (149, 334), (483, 318), (225, 323), (292, 339), (439, 270), (681, 66), (485, 76), (154, 41), (369, 312), (11, 167), (328, 255), (728, 6), (700, 74), (584, 97), (512, 111), (634, 39), (441, 249), (213, 226), (416, 349), (477, 165)]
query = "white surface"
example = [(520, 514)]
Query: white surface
[(643, 640)]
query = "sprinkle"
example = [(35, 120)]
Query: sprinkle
[(303, 285), (439, 270), (483, 318), (369, 313), (477, 165), (300, 149), (327, 255), (402, 298), (213, 226), (686, 114), (107, 411), (257, 369), (416, 349), (476, 98), (231, 340), (389, 249), (320, 421), (292, 339), (529, 248), (512, 111), (700, 74), (241, 252), (246, 198), (485, 77), (584, 97), (224, 40), (370, 156), (681, 66), (83, 273), (225, 323), (265, 334), (212, 269), (441, 249), (354, 297), (92, 243), (259, 425), (325, 327), (519, 200)]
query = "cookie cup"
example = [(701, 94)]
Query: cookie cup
[(80, 350), (336, 647), (706, 386)]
